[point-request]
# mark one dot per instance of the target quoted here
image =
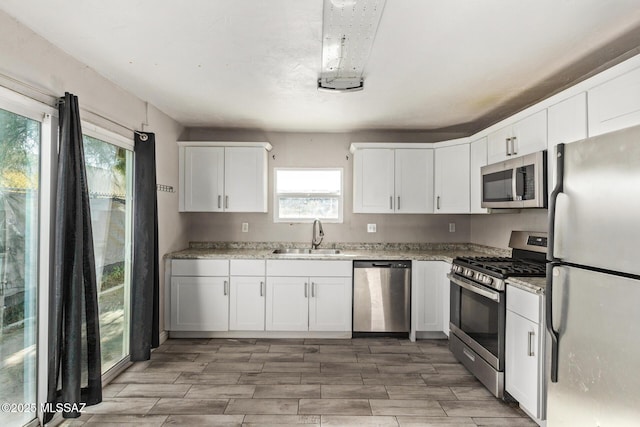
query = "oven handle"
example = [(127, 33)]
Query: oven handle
[(492, 295)]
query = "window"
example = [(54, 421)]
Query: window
[(109, 174), (302, 195), (20, 142)]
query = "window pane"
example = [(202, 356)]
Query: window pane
[(319, 181), (308, 207), (19, 162), (109, 177)]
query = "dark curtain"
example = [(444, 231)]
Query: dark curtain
[(74, 375), (144, 333)]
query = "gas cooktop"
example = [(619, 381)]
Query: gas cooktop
[(503, 267), (527, 260)]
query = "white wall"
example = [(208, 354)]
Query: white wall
[(31, 65), (317, 150)]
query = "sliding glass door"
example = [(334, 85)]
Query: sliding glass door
[(109, 175), (20, 139)]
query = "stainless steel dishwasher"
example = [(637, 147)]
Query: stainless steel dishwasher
[(382, 296)]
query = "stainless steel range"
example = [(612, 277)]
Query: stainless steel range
[(478, 304)]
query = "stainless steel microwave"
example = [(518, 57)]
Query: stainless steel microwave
[(520, 182)]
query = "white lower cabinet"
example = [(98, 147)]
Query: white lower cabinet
[(320, 301), (524, 350), (330, 304), (199, 303), (247, 295), (432, 295), (287, 304), (429, 302), (445, 292), (247, 303), (199, 295)]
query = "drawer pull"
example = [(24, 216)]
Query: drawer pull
[(469, 354)]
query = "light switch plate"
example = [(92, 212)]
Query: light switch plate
[(371, 228), (245, 227), (452, 227)]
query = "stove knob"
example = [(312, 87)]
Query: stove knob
[(468, 273), (487, 280)]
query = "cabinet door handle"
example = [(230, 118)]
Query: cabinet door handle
[(313, 289), (219, 201), (507, 141), (306, 290), (514, 149), (391, 202), (261, 289), (398, 203), (226, 202), (224, 288), (438, 202), (530, 351)]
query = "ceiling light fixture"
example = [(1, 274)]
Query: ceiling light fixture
[(348, 30)]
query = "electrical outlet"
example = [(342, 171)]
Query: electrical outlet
[(452, 227), (245, 227), (371, 228)]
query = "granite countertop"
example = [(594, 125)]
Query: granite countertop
[(355, 251), (348, 252), (536, 285)]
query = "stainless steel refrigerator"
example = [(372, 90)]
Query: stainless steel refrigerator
[(593, 283)]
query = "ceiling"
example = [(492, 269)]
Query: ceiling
[(434, 65)]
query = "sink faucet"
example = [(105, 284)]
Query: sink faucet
[(318, 234)]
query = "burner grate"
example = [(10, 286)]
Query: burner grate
[(503, 266)]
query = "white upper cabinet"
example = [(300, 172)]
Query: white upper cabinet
[(387, 180), (615, 104), (245, 179), (522, 137), (477, 159), (373, 180), (214, 178), (567, 123), (203, 179), (452, 179), (413, 180)]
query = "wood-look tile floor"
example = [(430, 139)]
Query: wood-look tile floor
[(258, 382)]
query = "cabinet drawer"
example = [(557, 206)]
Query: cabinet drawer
[(247, 267), (200, 267), (309, 268), (524, 303)]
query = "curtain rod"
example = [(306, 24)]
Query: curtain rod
[(57, 100)]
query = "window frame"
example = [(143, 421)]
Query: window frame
[(21, 104), (120, 141), (277, 196)]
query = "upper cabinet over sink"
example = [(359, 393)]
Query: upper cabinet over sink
[(223, 176)]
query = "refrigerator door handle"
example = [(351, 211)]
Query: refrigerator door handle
[(559, 188), (553, 370)]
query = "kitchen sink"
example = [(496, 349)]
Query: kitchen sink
[(296, 251)]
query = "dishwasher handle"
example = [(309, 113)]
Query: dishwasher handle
[(381, 264)]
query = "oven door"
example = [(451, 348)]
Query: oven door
[(478, 319)]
